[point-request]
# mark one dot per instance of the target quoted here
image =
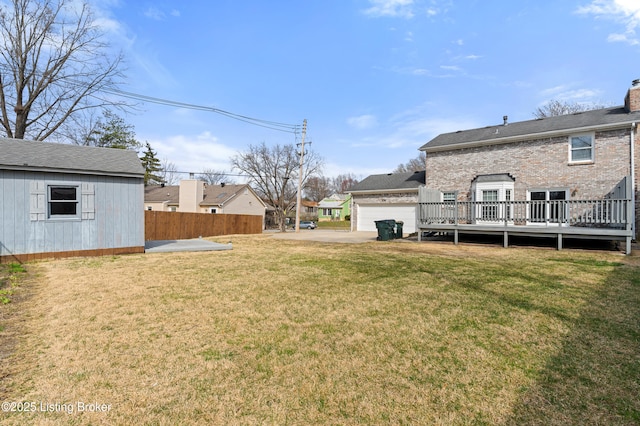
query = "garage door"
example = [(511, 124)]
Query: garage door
[(368, 214)]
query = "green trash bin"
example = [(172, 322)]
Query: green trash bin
[(386, 229), (399, 224)]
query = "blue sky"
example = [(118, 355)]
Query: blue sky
[(375, 79)]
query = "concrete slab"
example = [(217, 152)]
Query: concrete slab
[(327, 236), (168, 246)]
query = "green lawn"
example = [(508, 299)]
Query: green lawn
[(342, 224), (288, 332)]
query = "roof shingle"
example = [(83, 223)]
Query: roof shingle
[(607, 117), (390, 181), (18, 154)]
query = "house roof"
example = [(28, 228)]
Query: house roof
[(330, 204), (18, 154), (600, 119), (390, 181), (214, 195), (334, 201), (161, 194)]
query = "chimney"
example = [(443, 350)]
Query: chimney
[(505, 118), (632, 100), (191, 193)]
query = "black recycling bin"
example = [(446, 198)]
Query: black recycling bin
[(386, 229), (399, 224)]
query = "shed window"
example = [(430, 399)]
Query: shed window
[(63, 201)]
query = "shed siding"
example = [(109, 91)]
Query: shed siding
[(110, 214)]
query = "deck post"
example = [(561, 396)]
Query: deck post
[(455, 210), (455, 236), (628, 248), (559, 242), (506, 239)]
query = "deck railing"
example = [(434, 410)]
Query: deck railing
[(603, 213)]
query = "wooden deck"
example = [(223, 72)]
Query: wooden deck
[(606, 219)]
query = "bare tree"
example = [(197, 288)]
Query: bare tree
[(274, 172), (343, 182), (169, 172), (555, 107), (318, 188), (414, 165), (214, 177), (54, 67)]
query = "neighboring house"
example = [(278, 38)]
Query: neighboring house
[(386, 196), (68, 200), (335, 207), (568, 176), (309, 210), (195, 196)]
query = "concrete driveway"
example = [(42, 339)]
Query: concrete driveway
[(327, 236)]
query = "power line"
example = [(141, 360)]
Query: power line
[(273, 125)]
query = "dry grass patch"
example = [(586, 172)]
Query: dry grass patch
[(285, 332)]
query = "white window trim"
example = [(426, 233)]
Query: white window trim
[(591, 160), (453, 199), (501, 188), (547, 222), (78, 201)]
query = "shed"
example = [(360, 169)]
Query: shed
[(59, 200)]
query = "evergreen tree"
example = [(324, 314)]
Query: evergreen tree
[(113, 132), (151, 165)]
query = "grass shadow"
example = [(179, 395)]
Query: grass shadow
[(595, 377)]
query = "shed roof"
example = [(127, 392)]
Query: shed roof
[(18, 154), (616, 117), (390, 181)]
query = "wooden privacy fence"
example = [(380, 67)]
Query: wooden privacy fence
[(177, 226)]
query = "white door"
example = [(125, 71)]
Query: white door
[(368, 214)]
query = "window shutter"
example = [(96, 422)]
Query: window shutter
[(88, 201), (37, 200)]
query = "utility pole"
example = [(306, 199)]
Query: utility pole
[(299, 199)]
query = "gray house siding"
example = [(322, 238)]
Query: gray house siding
[(110, 214)]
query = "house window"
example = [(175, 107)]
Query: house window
[(581, 148), (63, 201), (491, 193), (326, 212), (449, 196), (213, 210), (490, 210), (149, 208)]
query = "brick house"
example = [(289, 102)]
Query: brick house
[(572, 175)]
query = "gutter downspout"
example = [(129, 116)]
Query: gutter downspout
[(633, 178)]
